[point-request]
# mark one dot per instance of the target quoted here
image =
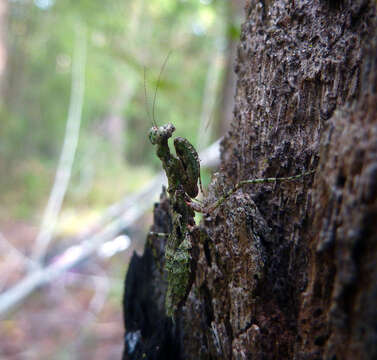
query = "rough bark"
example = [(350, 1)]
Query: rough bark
[(287, 270)]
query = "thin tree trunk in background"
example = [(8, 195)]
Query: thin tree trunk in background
[(67, 156), (114, 125), (287, 270), (209, 98), (3, 45), (229, 84)]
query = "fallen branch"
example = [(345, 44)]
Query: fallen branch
[(127, 212)]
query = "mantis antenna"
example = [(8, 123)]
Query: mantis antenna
[(157, 85), (146, 98)]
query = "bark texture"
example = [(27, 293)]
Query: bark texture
[(287, 270)]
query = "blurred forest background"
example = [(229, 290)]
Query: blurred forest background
[(73, 125)]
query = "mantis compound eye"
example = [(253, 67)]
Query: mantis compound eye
[(153, 135), (169, 129)]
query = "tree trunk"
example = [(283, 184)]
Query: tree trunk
[(287, 270), (3, 45)]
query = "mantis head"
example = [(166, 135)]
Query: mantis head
[(159, 134)]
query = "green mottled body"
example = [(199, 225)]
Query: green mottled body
[(178, 258), (183, 173), (190, 161)]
